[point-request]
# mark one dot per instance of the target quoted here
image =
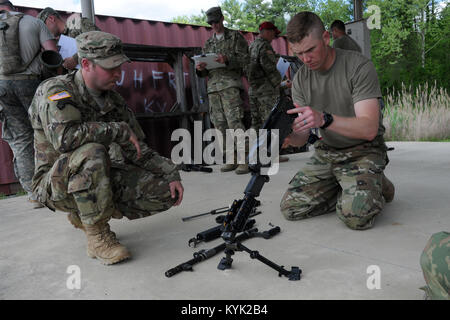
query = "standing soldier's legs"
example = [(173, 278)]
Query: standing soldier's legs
[(312, 192), (138, 193), (234, 113), (254, 110), (15, 99), (220, 123), (265, 106)]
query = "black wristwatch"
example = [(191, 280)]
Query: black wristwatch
[(328, 120)]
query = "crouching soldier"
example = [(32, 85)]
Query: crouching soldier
[(90, 157)]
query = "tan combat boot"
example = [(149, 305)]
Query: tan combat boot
[(230, 167), (387, 189), (242, 169), (103, 244)]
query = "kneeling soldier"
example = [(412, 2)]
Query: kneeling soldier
[(91, 160)]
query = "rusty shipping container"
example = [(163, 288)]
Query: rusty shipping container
[(147, 87)]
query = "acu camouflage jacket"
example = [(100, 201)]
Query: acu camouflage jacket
[(76, 25), (263, 75), (65, 116), (235, 47)]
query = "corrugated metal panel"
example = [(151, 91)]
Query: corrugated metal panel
[(147, 87)]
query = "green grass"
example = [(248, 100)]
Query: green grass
[(422, 114)]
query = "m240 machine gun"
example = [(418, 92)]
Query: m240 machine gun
[(279, 123)]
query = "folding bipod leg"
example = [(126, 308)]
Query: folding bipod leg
[(294, 274), (231, 247)]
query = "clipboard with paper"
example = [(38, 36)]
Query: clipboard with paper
[(209, 59)]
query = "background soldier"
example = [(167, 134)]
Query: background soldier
[(341, 39), (263, 76), (224, 84), (72, 27), (22, 38), (78, 119), (435, 263)]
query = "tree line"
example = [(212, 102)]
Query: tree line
[(411, 46)]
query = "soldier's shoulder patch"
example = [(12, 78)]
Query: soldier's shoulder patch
[(63, 102), (60, 96)]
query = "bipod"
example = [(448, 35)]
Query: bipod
[(202, 255), (232, 246)]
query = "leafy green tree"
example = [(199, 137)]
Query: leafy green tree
[(199, 20)]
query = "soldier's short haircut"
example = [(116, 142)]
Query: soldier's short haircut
[(338, 24), (302, 25)]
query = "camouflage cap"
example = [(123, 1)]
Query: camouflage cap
[(213, 14), (45, 13), (102, 48)]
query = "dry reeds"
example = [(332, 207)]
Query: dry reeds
[(422, 114)]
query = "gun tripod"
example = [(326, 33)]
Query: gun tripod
[(231, 246), (279, 122)]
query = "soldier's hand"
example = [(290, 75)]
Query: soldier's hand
[(222, 59), (307, 119), (69, 63), (201, 66), (176, 189), (134, 140)]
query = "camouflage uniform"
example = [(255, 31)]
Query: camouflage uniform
[(435, 263), (224, 84), (85, 163), (76, 25), (344, 174), (264, 79), (346, 180), (17, 89)]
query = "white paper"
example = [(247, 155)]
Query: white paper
[(68, 47), (209, 58), (283, 66)]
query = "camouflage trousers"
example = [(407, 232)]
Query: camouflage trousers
[(15, 99), (227, 113), (435, 263), (85, 182), (260, 107), (346, 180)]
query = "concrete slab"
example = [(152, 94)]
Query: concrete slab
[(37, 247)]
